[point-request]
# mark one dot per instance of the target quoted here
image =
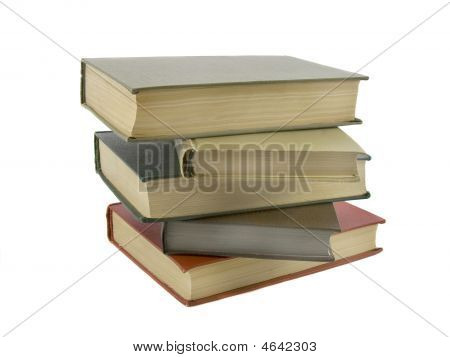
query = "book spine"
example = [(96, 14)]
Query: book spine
[(97, 155), (83, 83), (185, 151), (163, 237)]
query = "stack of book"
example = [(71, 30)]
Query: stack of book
[(231, 171)]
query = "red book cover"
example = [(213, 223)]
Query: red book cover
[(348, 216)]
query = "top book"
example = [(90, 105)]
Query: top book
[(187, 97)]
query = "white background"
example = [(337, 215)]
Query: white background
[(53, 204)]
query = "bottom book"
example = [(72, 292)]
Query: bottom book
[(195, 280)]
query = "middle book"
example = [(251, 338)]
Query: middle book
[(177, 179)]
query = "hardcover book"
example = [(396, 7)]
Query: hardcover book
[(317, 154), (296, 233), (149, 179), (189, 97), (195, 280)]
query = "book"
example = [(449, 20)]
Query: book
[(295, 233), (167, 97), (321, 153), (147, 177), (195, 280)]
